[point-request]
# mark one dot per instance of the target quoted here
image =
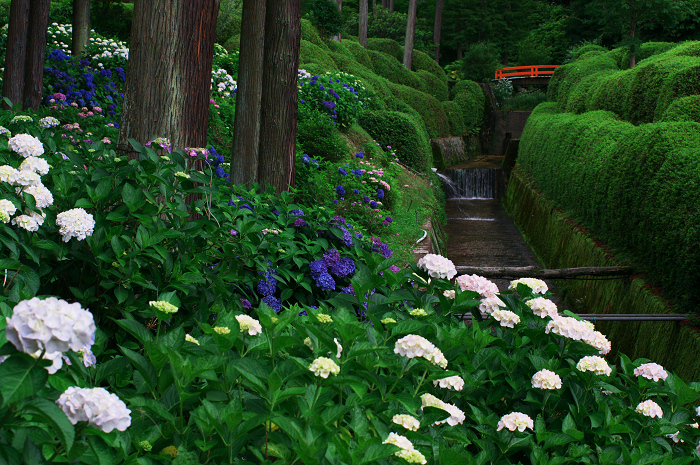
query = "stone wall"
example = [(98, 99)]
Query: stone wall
[(506, 125)]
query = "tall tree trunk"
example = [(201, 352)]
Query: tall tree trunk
[(172, 45), (410, 34), (338, 37), (385, 4), (36, 52), (81, 26), (246, 130), (633, 55), (391, 6), (362, 35), (374, 7), (438, 29), (279, 99), (13, 82)]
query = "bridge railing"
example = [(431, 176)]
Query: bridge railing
[(526, 71)]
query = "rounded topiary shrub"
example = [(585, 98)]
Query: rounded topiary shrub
[(423, 61), (390, 68), (388, 46), (402, 133), (455, 118), (434, 86), (312, 53), (359, 52), (683, 109), (471, 101), (309, 32), (427, 106)]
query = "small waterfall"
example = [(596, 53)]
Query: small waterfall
[(473, 183)]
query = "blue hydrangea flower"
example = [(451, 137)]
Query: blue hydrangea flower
[(359, 155), (342, 172), (340, 190), (380, 194), (355, 191), (389, 219), (373, 204), (273, 302), (366, 199)]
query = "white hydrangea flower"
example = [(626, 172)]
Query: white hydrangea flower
[(490, 305), (339, 348), (417, 346), (417, 312), (163, 306), (7, 209), (75, 223), (387, 321), (456, 417), (399, 441), (568, 327), (3, 130), (407, 452), (42, 195), (697, 411), (324, 318), (223, 330), (546, 379), (97, 406), (51, 324), (39, 217), (596, 364), (249, 324), (36, 164), (537, 285), (26, 145), (48, 122), (437, 266), (323, 367), (515, 420), (650, 409), (674, 437), (599, 341), (22, 119), (456, 383), (450, 294), (477, 283), (8, 174), (191, 339), (27, 178), (651, 371), (407, 421), (26, 222), (506, 318), (542, 307)]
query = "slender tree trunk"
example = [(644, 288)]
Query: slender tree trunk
[(385, 4), (13, 82), (81, 26), (36, 52), (374, 7), (172, 46), (246, 130), (279, 98), (338, 37), (410, 34), (362, 35), (438, 29), (391, 6), (633, 55)]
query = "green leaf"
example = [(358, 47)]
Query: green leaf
[(136, 329), (143, 366), (45, 244), (376, 452), (21, 377), (9, 455), (31, 453), (54, 417), (131, 197), (558, 440)]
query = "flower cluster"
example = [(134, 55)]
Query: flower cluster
[(542, 307), (506, 318), (52, 325), (650, 409), (331, 264), (456, 383), (407, 421), (456, 417), (478, 284), (651, 371), (98, 407), (163, 306), (323, 367), (595, 364), (579, 330), (26, 145), (546, 379), (437, 266), (537, 285), (417, 346), (515, 420), (249, 324), (490, 305), (407, 452), (75, 223)]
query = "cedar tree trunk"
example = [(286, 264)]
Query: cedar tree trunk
[(362, 35), (410, 34), (169, 75), (18, 27), (391, 6), (246, 129), (279, 98), (81, 26), (338, 37), (438, 29)]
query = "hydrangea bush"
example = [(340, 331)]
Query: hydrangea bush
[(342, 96)]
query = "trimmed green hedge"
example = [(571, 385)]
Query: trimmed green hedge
[(388, 46), (635, 187), (312, 53), (309, 32), (424, 62), (377, 84), (471, 100), (433, 86), (455, 118), (427, 106), (683, 109), (359, 53), (403, 133), (390, 68)]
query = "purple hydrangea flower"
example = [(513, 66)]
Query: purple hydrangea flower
[(340, 190)]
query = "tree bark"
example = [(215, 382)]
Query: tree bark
[(246, 130), (172, 46), (391, 6), (81, 27), (279, 98), (438, 29), (36, 52), (410, 34), (385, 4), (338, 37), (362, 34), (13, 82)]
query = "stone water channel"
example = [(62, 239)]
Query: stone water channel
[(479, 232)]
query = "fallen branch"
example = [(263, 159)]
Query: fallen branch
[(535, 272)]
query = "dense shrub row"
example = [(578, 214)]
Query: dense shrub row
[(598, 80), (401, 132), (635, 187)]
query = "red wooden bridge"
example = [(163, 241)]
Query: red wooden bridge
[(537, 74)]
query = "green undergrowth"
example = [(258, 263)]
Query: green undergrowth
[(562, 243)]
